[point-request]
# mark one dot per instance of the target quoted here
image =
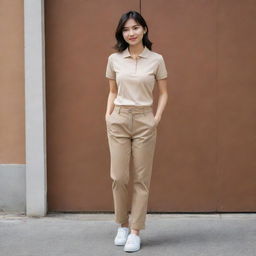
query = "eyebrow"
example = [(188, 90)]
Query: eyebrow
[(132, 26)]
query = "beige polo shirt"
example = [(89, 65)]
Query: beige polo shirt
[(135, 78)]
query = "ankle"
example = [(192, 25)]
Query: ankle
[(135, 231), (125, 225)]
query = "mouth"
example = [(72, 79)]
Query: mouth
[(133, 38)]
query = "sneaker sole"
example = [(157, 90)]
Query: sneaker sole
[(129, 250)]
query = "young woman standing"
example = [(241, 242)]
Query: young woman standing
[(131, 125)]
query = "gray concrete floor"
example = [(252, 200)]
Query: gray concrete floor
[(93, 234)]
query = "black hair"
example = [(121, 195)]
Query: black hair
[(121, 44)]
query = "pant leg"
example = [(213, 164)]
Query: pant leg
[(120, 152), (143, 148)]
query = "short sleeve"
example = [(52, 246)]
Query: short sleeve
[(161, 72), (110, 73)]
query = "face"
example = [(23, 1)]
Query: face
[(132, 30)]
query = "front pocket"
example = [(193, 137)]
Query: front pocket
[(149, 120), (153, 118), (110, 116)]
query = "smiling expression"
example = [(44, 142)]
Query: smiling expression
[(133, 32)]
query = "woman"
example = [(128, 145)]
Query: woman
[(131, 125)]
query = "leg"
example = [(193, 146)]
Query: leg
[(143, 147), (120, 152)]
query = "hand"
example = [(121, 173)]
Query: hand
[(157, 120), (107, 116)]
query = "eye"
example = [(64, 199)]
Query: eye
[(134, 28)]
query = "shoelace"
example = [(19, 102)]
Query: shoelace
[(121, 232), (130, 240)]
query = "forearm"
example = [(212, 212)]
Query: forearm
[(110, 102), (162, 101)]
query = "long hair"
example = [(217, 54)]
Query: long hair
[(121, 44)]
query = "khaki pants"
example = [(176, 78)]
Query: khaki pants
[(131, 132)]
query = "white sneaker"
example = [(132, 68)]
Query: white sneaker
[(122, 234), (133, 243)]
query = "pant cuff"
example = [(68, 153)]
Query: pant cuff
[(137, 226), (122, 221)]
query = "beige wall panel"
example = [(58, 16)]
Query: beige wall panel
[(12, 95)]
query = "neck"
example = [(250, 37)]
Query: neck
[(136, 49)]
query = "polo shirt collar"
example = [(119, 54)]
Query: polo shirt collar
[(145, 53)]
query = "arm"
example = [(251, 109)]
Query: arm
[(111, 97), (162, 100)]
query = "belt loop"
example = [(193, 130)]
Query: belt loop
[(144, 111), (119, 108)]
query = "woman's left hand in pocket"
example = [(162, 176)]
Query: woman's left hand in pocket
[(157, 120)]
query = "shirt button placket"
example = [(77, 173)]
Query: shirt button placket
[(136, 64)]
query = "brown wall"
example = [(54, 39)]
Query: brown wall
[(12, 94), (205, 153)]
